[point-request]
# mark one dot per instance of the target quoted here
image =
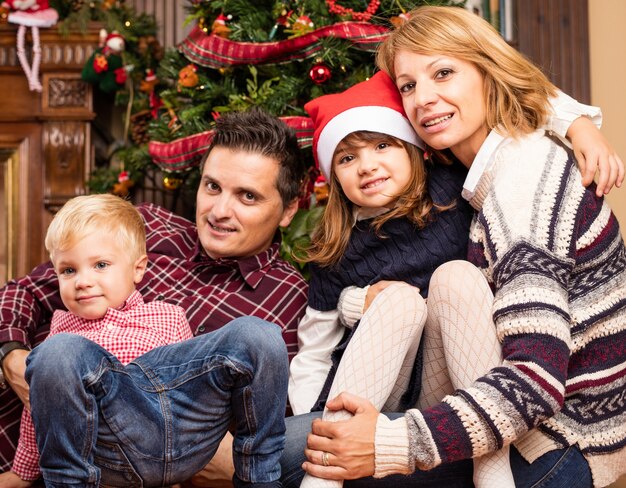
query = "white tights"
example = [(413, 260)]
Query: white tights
[(460, 346)]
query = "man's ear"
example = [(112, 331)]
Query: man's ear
[(289, 212), (140, 268)]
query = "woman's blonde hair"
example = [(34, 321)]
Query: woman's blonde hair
[(516, 91), (86, 214), (333, 231)]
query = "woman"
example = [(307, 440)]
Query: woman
[(550, 250)]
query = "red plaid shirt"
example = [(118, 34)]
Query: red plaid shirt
[(179, 272), (127, 333)]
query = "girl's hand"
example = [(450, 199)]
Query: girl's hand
[(594, 154), (374, 290), (11, 480)]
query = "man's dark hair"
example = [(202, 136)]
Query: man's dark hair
[(257, 131)]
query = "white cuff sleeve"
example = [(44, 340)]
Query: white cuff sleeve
[(318, 335), (350, 305), (566, 110), (391, 447)]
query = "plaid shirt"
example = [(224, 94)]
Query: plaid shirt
[(127, 333), (213, 292)]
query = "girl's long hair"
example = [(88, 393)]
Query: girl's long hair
[(333, 231)]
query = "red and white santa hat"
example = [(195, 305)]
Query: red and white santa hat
[(373, 105)]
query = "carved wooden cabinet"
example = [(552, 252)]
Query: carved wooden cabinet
[(45, 142)]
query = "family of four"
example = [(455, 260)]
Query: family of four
[(465, 282)]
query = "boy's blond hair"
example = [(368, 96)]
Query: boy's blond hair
[(86, 214)]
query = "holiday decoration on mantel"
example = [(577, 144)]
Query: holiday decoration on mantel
[(105, 67), (33, 14)]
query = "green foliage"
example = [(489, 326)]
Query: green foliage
[(297, 237)]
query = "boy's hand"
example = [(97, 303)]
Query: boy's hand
[(11, 480)]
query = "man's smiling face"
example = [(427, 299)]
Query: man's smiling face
[(238, 206)]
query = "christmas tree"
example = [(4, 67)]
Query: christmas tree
[(276, 54)]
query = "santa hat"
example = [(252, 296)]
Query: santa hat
[(373, 105)]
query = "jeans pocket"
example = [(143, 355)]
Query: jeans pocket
[(115, 468)]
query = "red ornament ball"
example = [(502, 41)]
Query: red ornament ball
[(320, 73)]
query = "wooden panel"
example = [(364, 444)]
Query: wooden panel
[(49, 133), (555, 35), (24, 139)]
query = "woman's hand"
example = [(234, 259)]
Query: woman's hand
[(14, 368), (349, 444), (594, 153), (11, 480)]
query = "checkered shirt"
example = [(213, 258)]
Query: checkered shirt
[(213, 292), (127, 333)]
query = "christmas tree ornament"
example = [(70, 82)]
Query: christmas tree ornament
[(123, 185), (320, 73), (365, 16), (33, 14), (300, 26), (219, 27), (398, 20), (320, 190), (188, 77), (171, 182), (105, 67), (149, 82), (202, 25), (281, 21)]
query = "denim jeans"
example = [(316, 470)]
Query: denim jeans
[(562, 468), (160, 419)]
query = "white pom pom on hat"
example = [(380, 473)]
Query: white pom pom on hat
[(372, 105)]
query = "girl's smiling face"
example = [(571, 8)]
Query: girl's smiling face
[(372, 173), (444, 99)]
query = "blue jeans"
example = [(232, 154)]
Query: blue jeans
[(562, 468), (160, 419)]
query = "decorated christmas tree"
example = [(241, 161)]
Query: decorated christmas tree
[(276, 54)]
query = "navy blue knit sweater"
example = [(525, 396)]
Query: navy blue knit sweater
[(406, 253)]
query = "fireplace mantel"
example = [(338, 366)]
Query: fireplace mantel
[(45, 140)]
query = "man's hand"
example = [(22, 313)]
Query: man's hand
[(349, 444), (11, 480), (14, 368), (594, 153)]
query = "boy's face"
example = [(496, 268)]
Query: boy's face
[(238, 206), (96, 274)]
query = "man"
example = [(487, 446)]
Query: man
[(227, 266)]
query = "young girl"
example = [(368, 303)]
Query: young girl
[(389, 223)]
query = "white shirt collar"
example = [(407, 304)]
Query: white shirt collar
[(482, 163)]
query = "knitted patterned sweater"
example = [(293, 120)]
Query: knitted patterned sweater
[(405, 252), (553, 253)]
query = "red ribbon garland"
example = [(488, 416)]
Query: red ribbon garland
[(213, 51), (216, 52), (185, 153)]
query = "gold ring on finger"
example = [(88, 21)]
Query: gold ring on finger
[(325, 461)]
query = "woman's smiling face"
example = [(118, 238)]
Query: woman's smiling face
[(444, 99)]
